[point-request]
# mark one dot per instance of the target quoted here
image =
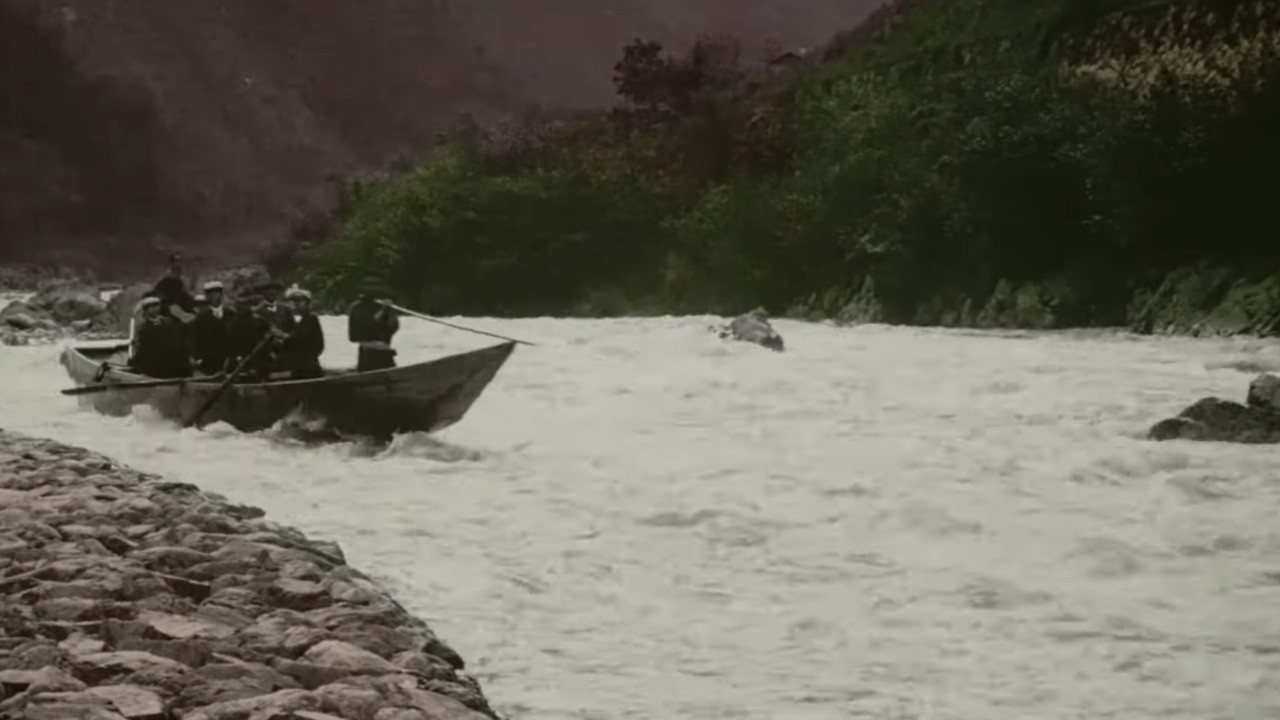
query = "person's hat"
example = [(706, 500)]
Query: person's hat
[(148, 301), (297, 292), (212, 285), (200, 300)]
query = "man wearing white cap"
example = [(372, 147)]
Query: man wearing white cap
[(213, 293), (305, 345)]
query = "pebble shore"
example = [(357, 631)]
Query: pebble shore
[(126, 597)]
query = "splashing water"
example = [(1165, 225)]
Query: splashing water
[(639, 520)]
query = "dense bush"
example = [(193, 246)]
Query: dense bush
[(988, 162)]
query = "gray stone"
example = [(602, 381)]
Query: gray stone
[(344, 655), (68, 303), (1213, 419), (754, 327), (46, 679), (1264, 392), (277, 702), (100, 666), (132, 701)]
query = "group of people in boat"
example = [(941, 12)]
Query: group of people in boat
[(268, 333)]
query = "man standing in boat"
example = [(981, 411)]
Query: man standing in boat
[(172, 291), (302, 350), (158, 347), (371, 325)]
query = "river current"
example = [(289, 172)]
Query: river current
[(639, 520)]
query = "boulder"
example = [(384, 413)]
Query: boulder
[(754, 327), (119, 310), (1218, 420), (66, 303), (236, 281), (132, 701), (1264, 392), (22, 315)]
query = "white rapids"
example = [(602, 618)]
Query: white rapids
[(639, 520)]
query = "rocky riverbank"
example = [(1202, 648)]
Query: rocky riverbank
[(126, 597), (60, 307)]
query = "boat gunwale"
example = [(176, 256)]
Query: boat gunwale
[(350, 377)]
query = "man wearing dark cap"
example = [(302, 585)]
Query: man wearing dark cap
[(172, 289), (371, 324), (246, 330)]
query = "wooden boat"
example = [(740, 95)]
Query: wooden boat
[(424, 397)]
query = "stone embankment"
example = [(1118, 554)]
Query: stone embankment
[(126, 597)]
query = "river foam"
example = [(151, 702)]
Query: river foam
[(639, 520)]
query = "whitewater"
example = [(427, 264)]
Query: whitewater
[(640, 520)]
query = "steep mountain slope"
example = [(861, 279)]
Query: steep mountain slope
[(131, 127)]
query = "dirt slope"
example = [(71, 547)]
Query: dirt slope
[(131, 126)]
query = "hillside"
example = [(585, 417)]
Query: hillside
[(128, 127), (1043, 163)]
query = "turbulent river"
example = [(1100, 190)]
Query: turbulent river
[(639, 520)]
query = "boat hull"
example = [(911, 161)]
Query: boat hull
[(424, 397)]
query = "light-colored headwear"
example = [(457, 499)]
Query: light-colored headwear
[(200, 299), (297, 292), (212, 285), (149, 301)]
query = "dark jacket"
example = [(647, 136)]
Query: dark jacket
[(160, 352), (281, 316), (371, 321), (245, 330), (302, 351), (208, 342), (173, 291)]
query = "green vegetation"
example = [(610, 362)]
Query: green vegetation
[(1038, 163)]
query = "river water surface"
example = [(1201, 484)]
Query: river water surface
[(639, 520)]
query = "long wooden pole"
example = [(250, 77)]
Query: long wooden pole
[(217, 394), (428, 318)]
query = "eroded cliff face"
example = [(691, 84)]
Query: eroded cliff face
[(128, 128)]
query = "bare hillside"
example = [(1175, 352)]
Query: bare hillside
[(129, 127)]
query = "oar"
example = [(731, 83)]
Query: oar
[(222, 389), (428, 318), (108, 387)]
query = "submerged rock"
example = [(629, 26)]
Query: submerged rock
[(129, 597), (753, 327), (1218, 420)]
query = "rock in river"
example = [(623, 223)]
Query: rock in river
[(754, 327), (1215, 419)]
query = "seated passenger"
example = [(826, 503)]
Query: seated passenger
[(246, 330), (207, 339), (158, 347)]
